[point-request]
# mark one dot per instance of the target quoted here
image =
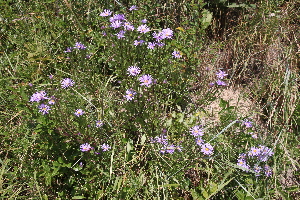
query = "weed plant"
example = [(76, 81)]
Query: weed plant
[(98, 102)]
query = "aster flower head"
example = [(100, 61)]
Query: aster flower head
[(221, 75), (158, 36), (116, 24), (143, 28), (138, 42), (120, 34), (106, 13), (265, 153), (38, 96), (44, 109), (176, 54), (79, 112), (257, 170), (196, 131), (170, 149), (207, 149), (105, 147), (254, 151), (199, 141), (242, 163), (167, 33), (133, 70), (51, 101), (128, 26), (130, 94), (247, 123), (117, 17), (69, 49), (79, 45), (85, 147), (99, 123), (67, 82), (151, 45), (221, 83), (162, 139), (133, 7), (144, 21), (268, 171), (146, 80)]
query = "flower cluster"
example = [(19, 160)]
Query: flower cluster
[(198, 132), (220, 76), (40, 96), (120, 23), (257, 154), (78, 45), (165, 146)]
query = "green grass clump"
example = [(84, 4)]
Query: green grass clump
[(77, 123)]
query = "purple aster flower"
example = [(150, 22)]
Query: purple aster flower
[(268, 171), (143, 29), (67, 82), (105, 13), (117, 17), (243, 164), (221, 83), (207, 149), (146, 80), (30, 84), (128, 26), (265, 153), (170, 149), (151, 45), (160, 44), (144, 21), (130, 94), (257, 170), (157, 36), (254, 151), (79, 45), (99, 123), (69, 49), (199, 141), (51, 101), (133, 70), (85, 147), (138, 42), (116, 24), (221, 74), (134, 7), (196, 131), (38, 96), (105, 147), (120, 34), (176, 54), (79, 112), (162, 139), (247, 123), (167, 33), (44, 109), (243, 156)]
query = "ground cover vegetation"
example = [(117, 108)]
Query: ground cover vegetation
[(110, 99)]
